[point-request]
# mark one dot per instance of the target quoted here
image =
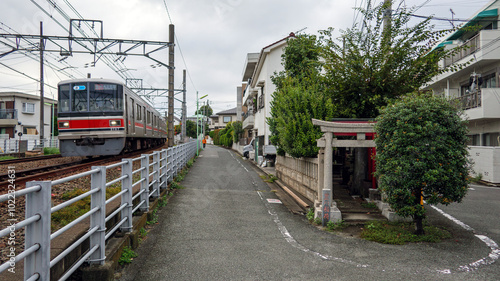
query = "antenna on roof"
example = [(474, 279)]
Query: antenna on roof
[(296, 32)]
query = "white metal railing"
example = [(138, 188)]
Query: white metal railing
[(13, 145), (162, 166)]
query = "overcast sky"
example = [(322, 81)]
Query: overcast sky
[(214, 37)]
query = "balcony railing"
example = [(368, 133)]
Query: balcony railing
[(469, 101), (472, 44), (8, 113)]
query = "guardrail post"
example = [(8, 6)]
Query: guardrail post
[(170, 165), (145, 183), (174, 162), (98, 199), (156, 175), (127, 169), (163, 168), (38, 233)]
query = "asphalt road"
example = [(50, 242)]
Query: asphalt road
[(223, 227)]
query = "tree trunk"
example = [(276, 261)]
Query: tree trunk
[(419, 227)]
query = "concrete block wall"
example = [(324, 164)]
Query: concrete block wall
[(486, 161), (299, 174)]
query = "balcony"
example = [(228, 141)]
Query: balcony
[(483, 46), (8, 117), (248, 121), (484, 104)]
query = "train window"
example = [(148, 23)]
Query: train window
[(64, 101), (149, 118), (105, 97), (79, 98), (139, 116)]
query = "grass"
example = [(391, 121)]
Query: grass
[(269, 178), (127, 256), (7, 158), (369, 205), (77, 209), (50, 150), (400, 233), (332, 226)]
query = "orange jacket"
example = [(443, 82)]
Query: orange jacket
[(204, 140)]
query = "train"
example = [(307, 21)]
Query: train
[(99, 117)]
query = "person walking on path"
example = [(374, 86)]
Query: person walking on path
[(204, 141)]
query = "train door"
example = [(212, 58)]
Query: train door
[(144, 119), (132, 116), (127, 119)]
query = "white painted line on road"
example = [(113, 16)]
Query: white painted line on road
[(453, 219), (289, 238), (237, 160), (490, 259)]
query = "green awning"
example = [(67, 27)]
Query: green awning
[(493, 13), (442, 44)]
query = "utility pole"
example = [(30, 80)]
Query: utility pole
[(386, 32), (42, 47), (184, 113), (171, 86)]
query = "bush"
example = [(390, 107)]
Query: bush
[(421, 155), (50, 150)]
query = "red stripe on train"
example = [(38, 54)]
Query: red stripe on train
[(91, 123)]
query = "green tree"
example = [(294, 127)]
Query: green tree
[(190, 129), (300, 96), (421, 155), (358, 73), (292, 109), (205, 110), (238, 130), (367, 68)]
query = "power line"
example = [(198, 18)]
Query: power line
[(179, 47)]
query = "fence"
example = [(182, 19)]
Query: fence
[(154, 174), (12, 145)]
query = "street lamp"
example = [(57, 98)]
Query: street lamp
[(197, 121)]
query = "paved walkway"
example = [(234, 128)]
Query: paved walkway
[(225, 226)]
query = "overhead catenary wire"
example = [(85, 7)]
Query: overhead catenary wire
[(179, 48)]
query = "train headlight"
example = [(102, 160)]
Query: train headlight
[(115, 123), (63, 124)]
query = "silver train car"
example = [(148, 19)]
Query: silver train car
[(104, 117)]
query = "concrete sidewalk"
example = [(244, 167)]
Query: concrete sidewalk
[(227, 225)]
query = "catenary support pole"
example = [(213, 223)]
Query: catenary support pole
[(171, 86)]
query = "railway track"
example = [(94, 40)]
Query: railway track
[(25, 159), (41, 173)]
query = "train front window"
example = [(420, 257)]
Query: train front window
[(105, 97), (79, 98), (64, 101)]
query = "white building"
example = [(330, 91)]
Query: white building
[(220, 120), (20, 113), (257, 90), (476, 87)]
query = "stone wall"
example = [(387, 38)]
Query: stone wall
[(299, 174)]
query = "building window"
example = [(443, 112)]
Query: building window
[(28, 107), (227, 119), (489, 81), (464, 90), (139, 115), (491, 139), (261, 101)]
